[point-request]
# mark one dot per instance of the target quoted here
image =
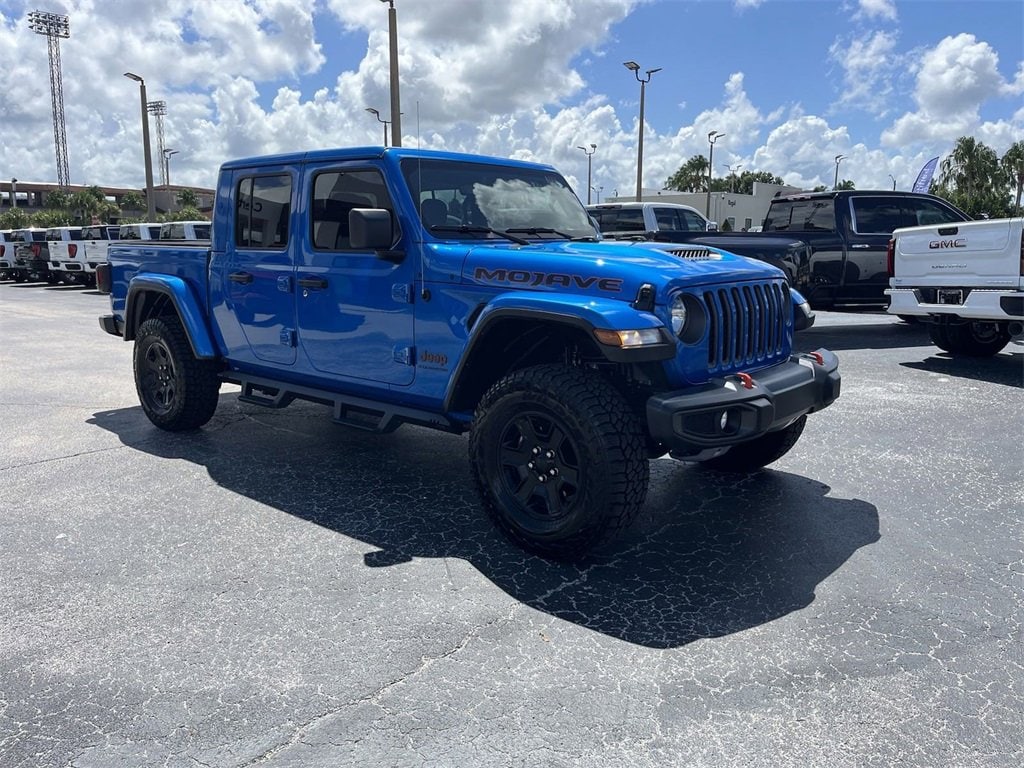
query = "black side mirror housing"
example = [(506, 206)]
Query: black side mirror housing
[(370, 229)]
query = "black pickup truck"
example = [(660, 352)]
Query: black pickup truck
[(831, 244)]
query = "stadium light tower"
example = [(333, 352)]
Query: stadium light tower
[(55, 26), (158, 109)]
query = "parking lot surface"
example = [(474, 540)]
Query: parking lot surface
[(276, 590)]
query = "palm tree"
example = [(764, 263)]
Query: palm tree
[(1013, 164), (970, 168), (691, 176)]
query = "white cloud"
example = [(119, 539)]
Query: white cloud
[(953, 80), (868, 63), (877, 9)]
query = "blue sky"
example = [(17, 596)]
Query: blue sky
[(792, 83)]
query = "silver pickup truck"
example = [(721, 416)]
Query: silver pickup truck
[(965, 279)]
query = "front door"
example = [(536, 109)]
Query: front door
[(355, 311)]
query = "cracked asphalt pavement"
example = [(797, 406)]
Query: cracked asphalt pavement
[(276, 590)]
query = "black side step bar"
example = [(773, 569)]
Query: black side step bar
[(357, 412)]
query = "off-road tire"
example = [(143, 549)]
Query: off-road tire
[(759, 452), (575, 429), (971, 339), (177, 390)]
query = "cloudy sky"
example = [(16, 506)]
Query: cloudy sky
[(792, 83)]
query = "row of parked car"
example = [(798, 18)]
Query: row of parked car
[(70, 255)]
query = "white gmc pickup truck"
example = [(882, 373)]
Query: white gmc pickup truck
[(966, 280)]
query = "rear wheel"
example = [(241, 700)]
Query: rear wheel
[(559, 458), (177, 390), (746, 457), (972, 339)]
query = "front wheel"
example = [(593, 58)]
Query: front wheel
[(177, 390), (763, 450), (972, 339), (559, 459)]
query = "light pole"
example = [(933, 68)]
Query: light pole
[(732, 173), (839, 159), (633, 67), (150, 202), (893, 182), (599, 190), (376, 113), (590, 154), (167, 164), (14, 193), (713, 136), (396, 107)]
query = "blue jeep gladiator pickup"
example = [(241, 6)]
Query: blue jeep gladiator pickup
[(469, 293)]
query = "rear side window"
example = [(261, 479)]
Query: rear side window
[(627, 220), (693, 222), (154, 232), (876, 215), (667, 218), (263, 208), (817, 215), (335, 193), (926, 212), (202, 231), (95, 233)]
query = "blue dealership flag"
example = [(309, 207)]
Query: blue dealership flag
[(924, 178)]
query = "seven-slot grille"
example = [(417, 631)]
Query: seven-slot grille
[(746, 323)]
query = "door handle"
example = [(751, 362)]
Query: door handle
[(316, 283), (860, 245), (243, 278)]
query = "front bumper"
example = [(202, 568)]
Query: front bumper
[(738, 408)]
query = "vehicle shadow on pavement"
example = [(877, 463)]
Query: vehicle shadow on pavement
[(711, 553), (862, 336), (1006, 368)]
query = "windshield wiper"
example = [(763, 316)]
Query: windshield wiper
[(466, 228), (540, 231)]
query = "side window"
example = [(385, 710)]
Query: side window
[(261, 215), (202, 231), (924, 212), (154, 233), (335, 193), (628, 220), (666, 218), (694, 223), (875, 215)]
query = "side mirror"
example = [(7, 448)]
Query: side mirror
[(370, 229)]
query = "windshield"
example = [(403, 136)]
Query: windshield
[(467, 200)]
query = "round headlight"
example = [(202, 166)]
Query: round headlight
[(678, 313)]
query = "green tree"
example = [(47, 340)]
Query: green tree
[(845, 184), (133, 201), (58, 199), (188, 198), (188, 213), (1013, 163), (691, 176), (971, 178), (51, 217), (15, 218)]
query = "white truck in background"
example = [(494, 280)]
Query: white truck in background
[(965, 279)]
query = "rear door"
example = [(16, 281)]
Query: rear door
[(251, 282)]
